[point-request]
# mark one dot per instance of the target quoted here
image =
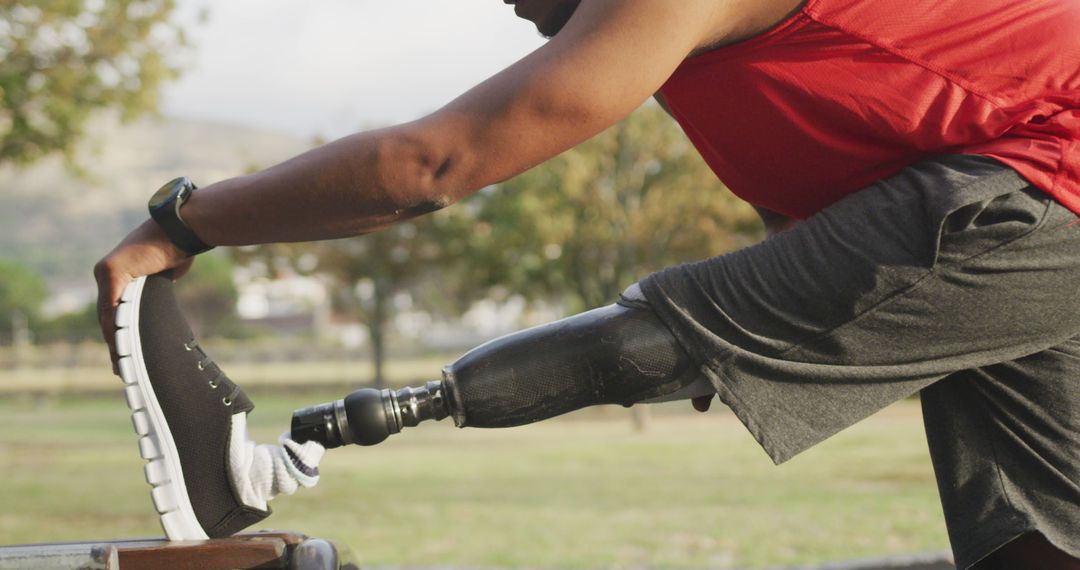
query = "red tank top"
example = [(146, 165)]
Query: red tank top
[(847, 92)]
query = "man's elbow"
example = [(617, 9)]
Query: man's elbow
[(415, 175), (464, 151)]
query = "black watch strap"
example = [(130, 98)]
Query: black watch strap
[(164, 208)]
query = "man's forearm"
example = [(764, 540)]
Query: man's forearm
[(351, 186)]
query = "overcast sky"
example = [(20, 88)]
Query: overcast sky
[(329, 67)]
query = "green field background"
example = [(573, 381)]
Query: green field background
[(582, 491)]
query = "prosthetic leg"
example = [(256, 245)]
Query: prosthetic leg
[(617, 354)]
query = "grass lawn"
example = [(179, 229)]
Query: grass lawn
[(584, 491), (98, 377)]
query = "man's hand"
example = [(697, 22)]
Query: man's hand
[(145, 251)]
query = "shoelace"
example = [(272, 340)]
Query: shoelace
[(219, 376)]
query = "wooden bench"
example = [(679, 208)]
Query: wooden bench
[(267, 549)]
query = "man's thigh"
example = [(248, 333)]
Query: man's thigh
[(1005, 441), (950, 265)]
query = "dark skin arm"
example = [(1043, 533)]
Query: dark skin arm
[(603, 64)]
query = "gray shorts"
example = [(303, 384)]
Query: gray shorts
[(954, 277)]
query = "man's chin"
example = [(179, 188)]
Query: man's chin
[(555, 21)]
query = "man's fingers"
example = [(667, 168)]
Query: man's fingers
[(110, 288), (145, 251), (702, 403)]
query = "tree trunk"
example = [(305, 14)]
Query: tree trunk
[(377, 330), (20, 339), (641, 417)]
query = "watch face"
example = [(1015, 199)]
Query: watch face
[(179, 187)]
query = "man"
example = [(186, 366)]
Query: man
[(932, 148)]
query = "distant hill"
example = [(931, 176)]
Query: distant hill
[(60, 224)]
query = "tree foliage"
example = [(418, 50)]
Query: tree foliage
[(208, 296), (77, 326), (586, 224), (60, 60), (22, 291), (423, 256)]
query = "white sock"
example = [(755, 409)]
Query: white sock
[(261, 472)]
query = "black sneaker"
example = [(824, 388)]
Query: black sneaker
[(182, 406)]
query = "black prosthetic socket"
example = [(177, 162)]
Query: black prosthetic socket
[(612, 355), (618, 354)]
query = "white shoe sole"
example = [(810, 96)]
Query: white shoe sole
[(156, 445)]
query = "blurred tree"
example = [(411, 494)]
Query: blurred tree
[(208, 296), (22, 292), (420, 256), (586, 224), (77, 326), (62, 59)]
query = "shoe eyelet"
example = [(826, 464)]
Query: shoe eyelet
[(213, 384), (188, 346), (201, 366), (227, 401)]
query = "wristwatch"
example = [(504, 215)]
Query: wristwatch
[(164, 208)]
